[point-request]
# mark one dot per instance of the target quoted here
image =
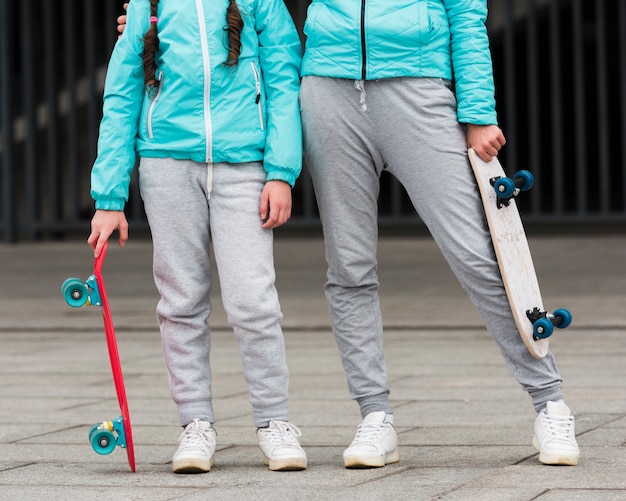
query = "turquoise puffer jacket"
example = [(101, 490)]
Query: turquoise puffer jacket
[(374, 39), (203, 110)]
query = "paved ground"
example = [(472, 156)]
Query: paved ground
[(465, 427)]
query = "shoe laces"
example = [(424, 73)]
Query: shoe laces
[(368, 433), (282, 433), (194, 436), (557, 426)]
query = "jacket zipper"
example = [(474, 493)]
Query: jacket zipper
[(257, 83), (207, 81), (363, 48), (153, 104)]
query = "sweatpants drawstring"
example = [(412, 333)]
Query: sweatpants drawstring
[(360, 86), (209, 180)]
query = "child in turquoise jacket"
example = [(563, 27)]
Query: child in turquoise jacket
[(205, 93)]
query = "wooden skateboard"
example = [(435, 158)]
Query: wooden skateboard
[(498, 194), (105, 436)]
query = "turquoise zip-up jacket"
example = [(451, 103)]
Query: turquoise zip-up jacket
[(201, 110), (375, 39)]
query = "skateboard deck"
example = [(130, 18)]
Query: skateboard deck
[(498, 194), (105, 436)]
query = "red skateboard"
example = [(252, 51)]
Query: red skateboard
[(105, 436)]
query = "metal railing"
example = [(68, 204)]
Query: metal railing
[(560, 69)]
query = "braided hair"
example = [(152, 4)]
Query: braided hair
[(150, 48), (234, 23)]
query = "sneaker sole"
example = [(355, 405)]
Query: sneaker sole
[(371, 461), (192, 466), (287, 464), (555, 459)]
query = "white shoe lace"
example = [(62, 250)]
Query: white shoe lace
[(368, 433), (558, 427), (282, 433), (195, 437)]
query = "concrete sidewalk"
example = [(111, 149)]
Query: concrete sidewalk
[(465, 427)]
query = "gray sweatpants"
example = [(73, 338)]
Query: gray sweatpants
[(190, 205), (407, 126)]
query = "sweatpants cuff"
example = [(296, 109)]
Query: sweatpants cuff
[(188, 411), (542, 397), (262, 417), (374, 403)]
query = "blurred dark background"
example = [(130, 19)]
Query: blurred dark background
[(560, 71)]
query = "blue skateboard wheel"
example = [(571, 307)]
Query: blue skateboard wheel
[(75, 292), (565, 318), (524, 180), (543, 328), (505, 187), (102, 440)]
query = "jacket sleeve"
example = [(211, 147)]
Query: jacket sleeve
[(123, 95), (471, 61), (280, 53)]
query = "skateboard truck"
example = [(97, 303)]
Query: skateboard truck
[(544, 322), (507, 188), (78, 293), (106, 435)]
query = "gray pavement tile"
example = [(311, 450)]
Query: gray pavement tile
[(605, 435), (520, 493), (12, 432), (469, 413), (103, 492), (598, 469), (584, 495), (57, 453), (468, 435)]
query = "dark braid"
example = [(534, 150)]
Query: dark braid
[(235, 25), (150, 48), (151, 41)]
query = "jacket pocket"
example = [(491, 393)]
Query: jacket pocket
[(257, 88), (153, 104)]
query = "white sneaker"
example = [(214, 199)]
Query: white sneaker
[(197, 448), (554, 435), (280, 447), (375, 443)]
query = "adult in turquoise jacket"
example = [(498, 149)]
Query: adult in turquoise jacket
[(406, 86), (205, 93)]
